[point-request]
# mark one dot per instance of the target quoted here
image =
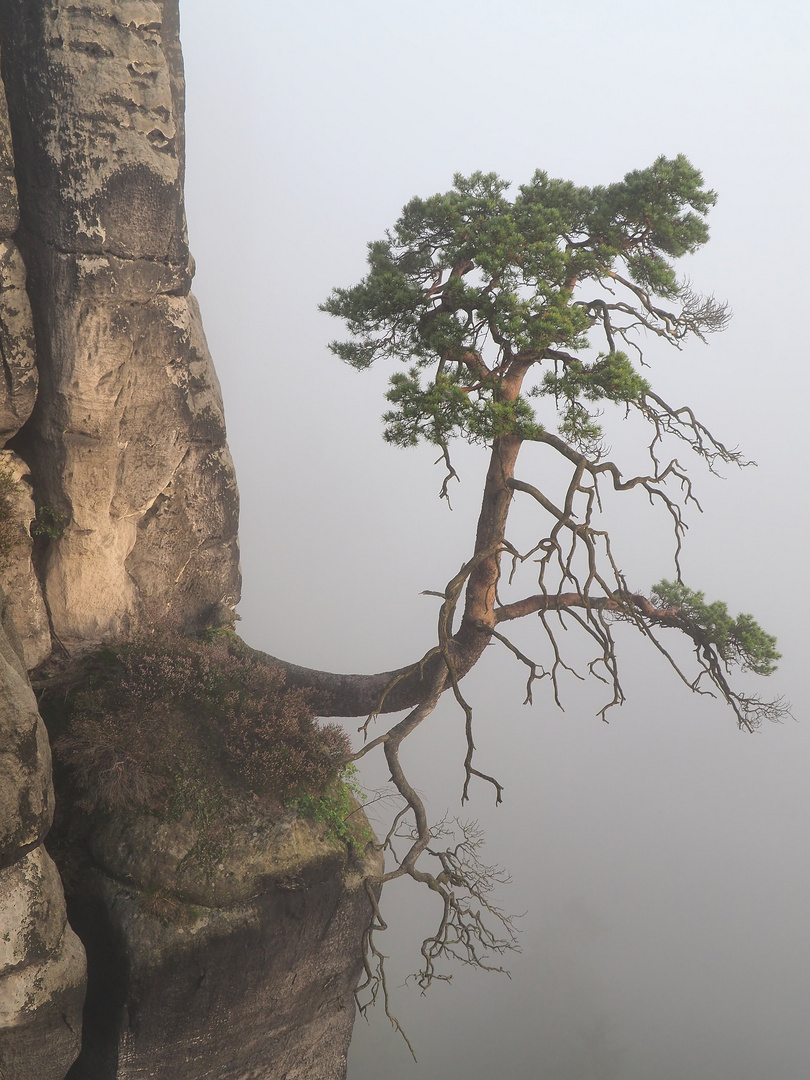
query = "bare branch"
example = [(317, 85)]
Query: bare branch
[(682, 424), (451, 472)]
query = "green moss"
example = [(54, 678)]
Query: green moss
[(339, 808), (49, 523)]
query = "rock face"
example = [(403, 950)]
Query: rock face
[(18, 389), (244, 975), (17, 575), (112, 435), (127, 440), (26, 790), (42, 967), (16, 328), (17, 350)]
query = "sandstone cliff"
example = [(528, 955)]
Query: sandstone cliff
[(127, 438), (113, 450), (41, 960), (42, 964)]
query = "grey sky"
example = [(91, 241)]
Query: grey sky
[(662, 861)]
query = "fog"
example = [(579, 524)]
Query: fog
[(659, 862)]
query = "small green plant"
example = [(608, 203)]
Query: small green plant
[(49, 523), (337, 808)]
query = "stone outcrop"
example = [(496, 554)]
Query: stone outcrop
[(42, 971), (17, 348), (112, 434), (26, 790), (127, 439), (42, 967), (18, 577), (17, 352), (18, 389), (246, 972)]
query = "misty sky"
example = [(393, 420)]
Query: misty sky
[(662, 860)]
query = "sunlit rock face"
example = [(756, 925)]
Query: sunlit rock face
[(127, 438), (42, 965)]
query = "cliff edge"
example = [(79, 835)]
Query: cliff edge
[(119, 513)]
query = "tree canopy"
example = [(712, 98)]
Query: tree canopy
[(524, 321), (482, 290)]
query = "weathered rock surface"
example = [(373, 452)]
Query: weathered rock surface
[(246, 974), (18, 386), (26, 790), (42, 966), (42, 973), (18, 578), (18, 389), (42, 963), (9, 206), (17, 348), (127, 439)]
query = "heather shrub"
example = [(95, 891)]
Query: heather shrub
[(171, 724)]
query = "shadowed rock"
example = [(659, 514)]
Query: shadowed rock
[(248, 971), (42, 967)]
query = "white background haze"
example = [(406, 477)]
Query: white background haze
[(661, 860)]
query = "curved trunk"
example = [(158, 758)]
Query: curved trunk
[(403, 688), (386, 691)]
